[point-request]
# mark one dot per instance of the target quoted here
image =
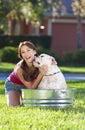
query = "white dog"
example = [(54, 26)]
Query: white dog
[(54, 79)]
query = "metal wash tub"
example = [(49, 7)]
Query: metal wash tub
[(48, 98)]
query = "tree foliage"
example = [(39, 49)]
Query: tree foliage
[(4, 9), (31, 10), (79, 7)]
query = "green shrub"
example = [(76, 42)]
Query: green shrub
[(76, 58), (42, 40), (68, 58), (0, 55), (79, 57), (9, 54)]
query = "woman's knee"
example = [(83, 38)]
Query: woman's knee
[(13, 98)]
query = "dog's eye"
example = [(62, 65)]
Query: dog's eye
[(42, 56)]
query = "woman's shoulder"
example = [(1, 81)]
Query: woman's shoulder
[(18, 65), (20, 62)]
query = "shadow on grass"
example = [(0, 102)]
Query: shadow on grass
[(80, 94), (71, 109), (76, 109), (75, 81)]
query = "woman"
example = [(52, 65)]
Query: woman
[(24, 75)]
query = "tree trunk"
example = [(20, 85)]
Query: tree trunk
[(79, 32)]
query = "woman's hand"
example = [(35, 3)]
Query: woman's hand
[(43, 69)]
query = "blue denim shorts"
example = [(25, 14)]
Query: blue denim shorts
[(10, 86)]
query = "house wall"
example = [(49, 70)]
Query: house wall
[(26, 28), (64, 35), (64, 38)]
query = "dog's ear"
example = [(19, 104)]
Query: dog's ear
[(53, 61)]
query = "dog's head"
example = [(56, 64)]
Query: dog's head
[(44, 59)]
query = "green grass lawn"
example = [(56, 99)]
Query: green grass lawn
[(75, 69), (35, 118), (8, 67)]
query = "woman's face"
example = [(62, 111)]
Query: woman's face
[(27, 53)]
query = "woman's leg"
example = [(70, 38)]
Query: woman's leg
[(13, 98)]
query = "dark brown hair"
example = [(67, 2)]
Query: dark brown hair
[(27, 74)]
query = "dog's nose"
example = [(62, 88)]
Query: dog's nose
[(33, 60), (38, 63)]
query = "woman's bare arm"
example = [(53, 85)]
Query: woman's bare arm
[(34, 84)]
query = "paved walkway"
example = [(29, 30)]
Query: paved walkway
[(3, 76), (74, 76), (68, 76)]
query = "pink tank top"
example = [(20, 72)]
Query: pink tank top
[(15, 79), (14, 76)]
